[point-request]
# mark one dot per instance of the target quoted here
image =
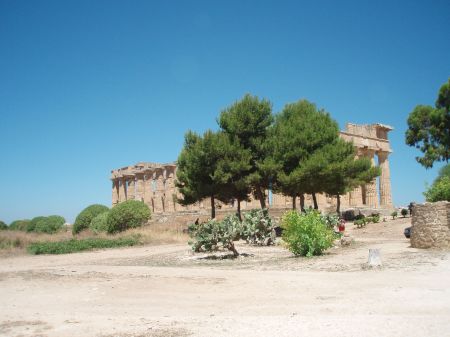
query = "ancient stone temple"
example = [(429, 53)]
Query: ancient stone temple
[(154, 183)]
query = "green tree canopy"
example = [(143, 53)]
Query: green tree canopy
[(247, 122), (429, 129), (301, 130), (211, 166), (84, 218), (3, 226), (444, 172), (125, 215), (440, 189), (340, 172), (19, 225), (232, 169)]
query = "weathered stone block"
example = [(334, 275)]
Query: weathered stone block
[(431, 225)]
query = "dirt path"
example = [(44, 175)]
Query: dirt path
[(167, 291)]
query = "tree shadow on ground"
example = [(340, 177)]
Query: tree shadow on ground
[(224, 256)]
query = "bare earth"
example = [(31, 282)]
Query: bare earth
[(167, 291)]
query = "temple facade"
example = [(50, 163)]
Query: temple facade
[(154, 183)]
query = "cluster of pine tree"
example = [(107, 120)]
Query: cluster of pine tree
[(295, 152)]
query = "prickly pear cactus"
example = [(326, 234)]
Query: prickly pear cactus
[(258, 228), (213, 234)]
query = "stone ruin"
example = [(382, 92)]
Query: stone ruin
[(154, 183), (431, 225)]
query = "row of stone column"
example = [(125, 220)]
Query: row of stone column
[(367, 194), (156, 190)]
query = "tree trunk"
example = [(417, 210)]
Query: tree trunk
[(239, 209), (294, 198), (338, 204), (302, 202), (233, 249), (213, 208), (316, 206), (261, 196)]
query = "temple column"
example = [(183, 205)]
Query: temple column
[(385, 180), (158, 193), (131, 188), (148, 190), (162, 190), (115, 192), (140, 187), (355, 197), (122, 193), (371, 188)]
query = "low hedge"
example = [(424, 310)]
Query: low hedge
[(127, 214), (50, 224), (99, 223), (31, 226), (3, 226), (19, 225), (75, 245), (83, 220)]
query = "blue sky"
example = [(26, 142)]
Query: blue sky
[(89, 86)]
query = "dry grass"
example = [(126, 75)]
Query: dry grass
[(158, 233), (16, 242)]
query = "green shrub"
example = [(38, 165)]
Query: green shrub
[(258, 228), (372, 218), (359, 216), (331, 220), (83, 220), (439, 191), (375, 217), (404, 212), (213, 234), (306, 234), (3, 226), (360, 223), (31, 226), (19, 225), (127, 214), (74, 245), (394, 215), (99, 223), (50, 224)]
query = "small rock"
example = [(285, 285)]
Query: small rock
[(346, 240), (374, 258)]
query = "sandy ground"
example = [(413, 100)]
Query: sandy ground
[(168, 291)]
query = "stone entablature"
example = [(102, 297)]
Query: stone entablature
[(154, 183), (431, 225)]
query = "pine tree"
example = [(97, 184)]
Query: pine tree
[(341, 172), (196, 168), (212, 166), (429, 129), (247, 122), (299, 131)]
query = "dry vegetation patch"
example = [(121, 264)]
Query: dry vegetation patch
[(17, 242)]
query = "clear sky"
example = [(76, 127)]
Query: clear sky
[(89, 86)]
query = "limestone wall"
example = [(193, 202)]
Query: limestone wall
[(431, 225)]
